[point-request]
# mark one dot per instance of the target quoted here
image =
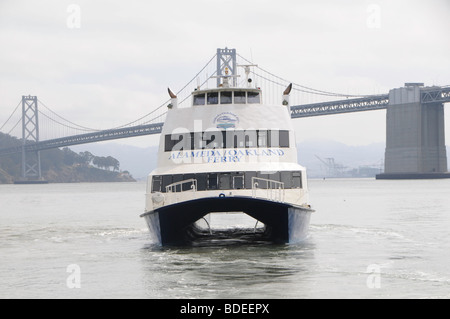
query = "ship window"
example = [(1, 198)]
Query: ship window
[(227, 180), (224, 181), (253, 97), (262, 183), (156, 183), (274, 177), (284, 139), (273, 138), (168, 145), (190, 142), (296, 180), (213, 139), (226, 139), (234, 139), (199, 99), (239, 97), (238, 181), (250, 139), (248, 179), (177, 178), (166, 180), (188, 186), (286, 178), (226, 97), (212, 181), (262, 138), (202, 183), (197, 141), (170, 142), (213, 98)]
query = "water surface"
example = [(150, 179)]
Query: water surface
[(368, 239)]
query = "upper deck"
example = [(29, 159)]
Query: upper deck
[(228, 126), (227, 96)]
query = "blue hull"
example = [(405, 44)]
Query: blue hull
[(174, 224)]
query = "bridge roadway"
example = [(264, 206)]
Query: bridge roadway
[(105, 135), (375, 102)]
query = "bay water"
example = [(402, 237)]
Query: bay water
[(368, 239)]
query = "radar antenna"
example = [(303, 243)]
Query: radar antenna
[(247, 72)]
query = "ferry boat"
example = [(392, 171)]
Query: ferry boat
[(227, 152)]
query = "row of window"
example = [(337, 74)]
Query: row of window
[(226, 139), (227, 97), (226, 181)]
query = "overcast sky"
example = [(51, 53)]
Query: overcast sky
[(105, 63)]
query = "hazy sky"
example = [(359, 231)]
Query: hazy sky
[(105, 63)]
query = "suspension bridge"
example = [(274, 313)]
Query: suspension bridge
[(415, 143)]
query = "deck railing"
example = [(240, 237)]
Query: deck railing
[(188, 185), (261, 188), (267, 189)]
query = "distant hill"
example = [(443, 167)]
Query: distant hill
[(137, 160), (63, 166), (357, 161)]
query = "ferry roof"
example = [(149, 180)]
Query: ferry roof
[(222, 88)]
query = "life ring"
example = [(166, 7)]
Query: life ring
[(222, 195)]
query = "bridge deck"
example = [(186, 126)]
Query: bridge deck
[(105, 135), (375, 102)]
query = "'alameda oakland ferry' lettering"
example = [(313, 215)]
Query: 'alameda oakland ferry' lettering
[(222, 156)]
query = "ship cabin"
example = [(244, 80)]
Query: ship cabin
[(263, 143)]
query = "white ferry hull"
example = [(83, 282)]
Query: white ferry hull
[(175, 224)]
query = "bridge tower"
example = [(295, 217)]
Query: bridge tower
[(415, 136), (31, 161), (226, 58)]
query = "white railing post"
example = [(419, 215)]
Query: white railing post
[(274, 189), (173, 188)]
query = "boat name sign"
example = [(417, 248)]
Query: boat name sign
[(226, 156)]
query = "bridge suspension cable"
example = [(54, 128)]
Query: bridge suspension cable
[(296, 86), (9, 118), (73, 125), (140, 120), (15, 125)]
